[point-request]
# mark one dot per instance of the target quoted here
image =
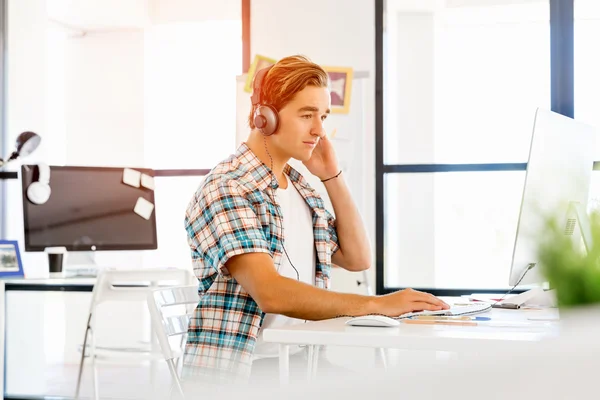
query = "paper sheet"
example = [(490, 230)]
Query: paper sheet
[(131, 177), (143, 208), (147, 181)]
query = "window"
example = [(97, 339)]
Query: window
[(587, 82), (190, 93), (461, 83), (160, 95), (587, 61)]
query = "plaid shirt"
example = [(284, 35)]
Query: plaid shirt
[(234, 212)]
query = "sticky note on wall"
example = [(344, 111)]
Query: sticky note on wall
[(131, 177), (147, 181), (143, 208)]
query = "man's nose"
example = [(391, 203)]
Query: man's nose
[(318, 129)]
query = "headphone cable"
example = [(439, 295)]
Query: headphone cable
[(271, 185)]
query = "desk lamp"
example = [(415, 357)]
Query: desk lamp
[(27, 142)]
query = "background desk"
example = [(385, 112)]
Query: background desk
[(508, 330), (44, 285)]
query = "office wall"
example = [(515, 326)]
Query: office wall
[(334, 33), (166, 11), (100, 14)]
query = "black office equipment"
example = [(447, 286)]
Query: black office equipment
[(89, 209)]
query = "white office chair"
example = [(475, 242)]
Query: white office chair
[(170, 312), (125, 286)]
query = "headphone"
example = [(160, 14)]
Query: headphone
[(266, 118), (38, 192)]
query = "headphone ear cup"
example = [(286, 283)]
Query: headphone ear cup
[(266, 120), (38, 192)]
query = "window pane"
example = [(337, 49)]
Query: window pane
[(587, 62), (172, 195), (463, 81), (190, 93), (451, 230)]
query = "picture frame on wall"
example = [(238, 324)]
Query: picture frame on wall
[(10, 259), (340, 79), (258, 63)]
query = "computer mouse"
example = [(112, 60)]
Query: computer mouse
[(373, 320)]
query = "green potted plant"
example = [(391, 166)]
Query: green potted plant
[(568, 267)]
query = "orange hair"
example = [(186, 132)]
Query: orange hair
[(287, 77)]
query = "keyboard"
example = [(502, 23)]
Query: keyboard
[(471, 309), (81, 272)]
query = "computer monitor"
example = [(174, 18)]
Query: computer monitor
[(89, 209), (557, 180)]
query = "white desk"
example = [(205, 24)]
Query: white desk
[(62, 285), (508, 329)]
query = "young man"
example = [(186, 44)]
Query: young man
[(262, 242)]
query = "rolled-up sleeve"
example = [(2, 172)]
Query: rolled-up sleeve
[(223, 224)]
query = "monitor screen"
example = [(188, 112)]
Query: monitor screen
[(90, 208)]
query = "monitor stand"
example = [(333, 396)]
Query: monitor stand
[(81, 264), (533, 297)]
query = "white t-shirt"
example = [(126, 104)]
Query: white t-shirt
[(299, 242)]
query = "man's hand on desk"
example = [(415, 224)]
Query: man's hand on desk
[(407, 300)]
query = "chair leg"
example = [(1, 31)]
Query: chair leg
[(176, 381), (171, 391), (85, 338), (315, 363), (309, 366), (94, 368), (380, 358)]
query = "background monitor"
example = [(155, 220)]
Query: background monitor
[(561, 159), (89, 208)]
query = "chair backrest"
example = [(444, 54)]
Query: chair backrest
[(134, 285), (168, 324)]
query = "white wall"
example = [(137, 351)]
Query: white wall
[(333, 33), (166, 11), (99, 14)]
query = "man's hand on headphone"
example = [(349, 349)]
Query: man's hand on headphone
[(323, 163)]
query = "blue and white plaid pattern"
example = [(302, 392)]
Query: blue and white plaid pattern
[(234, 212)]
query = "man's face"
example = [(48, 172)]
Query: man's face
[(301, 123)]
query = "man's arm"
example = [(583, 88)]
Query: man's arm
[(273, 293), (354, 253)]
